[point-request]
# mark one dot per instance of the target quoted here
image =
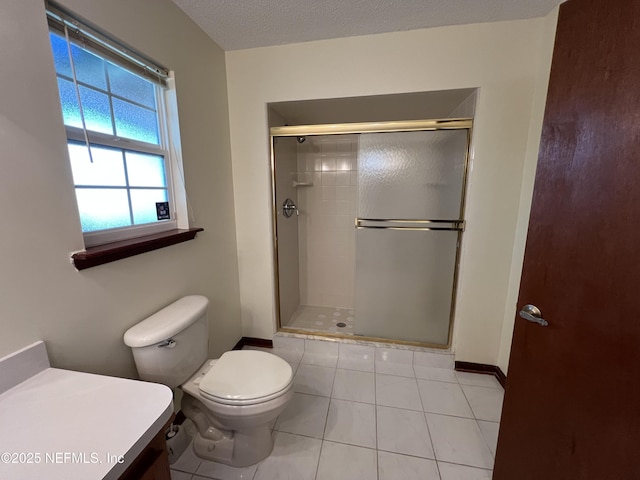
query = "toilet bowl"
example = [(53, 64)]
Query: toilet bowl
[(240, 395), (233, 400)]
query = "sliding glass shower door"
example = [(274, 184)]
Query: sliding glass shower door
[(409, 222)]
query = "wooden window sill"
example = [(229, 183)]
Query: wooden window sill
[(94, 256)]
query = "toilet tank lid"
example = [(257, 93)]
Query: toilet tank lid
[(167, 322)]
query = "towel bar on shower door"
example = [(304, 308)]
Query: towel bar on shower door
[(401, 224)]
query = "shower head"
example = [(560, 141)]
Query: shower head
[(301, 139)]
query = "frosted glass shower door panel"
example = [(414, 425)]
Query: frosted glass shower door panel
[(411, 175), (404, 284)]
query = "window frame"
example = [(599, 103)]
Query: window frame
[(76, 135), (168, 147)]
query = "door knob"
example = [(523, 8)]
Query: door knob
[(533, 314)]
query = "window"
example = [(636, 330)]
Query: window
[(113, 104)]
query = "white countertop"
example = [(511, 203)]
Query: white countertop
[(73, 425)]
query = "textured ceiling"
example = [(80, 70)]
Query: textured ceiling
[(238, 24)]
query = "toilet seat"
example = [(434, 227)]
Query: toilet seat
[(246, 377), (253, 401)]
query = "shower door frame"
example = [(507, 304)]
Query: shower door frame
[(358, 128)]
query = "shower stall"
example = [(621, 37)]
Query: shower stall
[(368, 221)]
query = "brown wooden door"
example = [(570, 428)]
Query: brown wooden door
[(572, 402)]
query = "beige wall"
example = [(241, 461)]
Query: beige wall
[(526, 192), (504, 60), (82, 315), (467, 108)]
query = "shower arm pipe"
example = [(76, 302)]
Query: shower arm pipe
[(371, 127)]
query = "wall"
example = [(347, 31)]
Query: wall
[(327, 236), (466, 109), (82, 315), (526, 192), (502, 59)]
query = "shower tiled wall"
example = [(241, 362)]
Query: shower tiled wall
[(326, 225)]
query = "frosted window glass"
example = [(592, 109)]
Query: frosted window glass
[(143, 204), (135, 122), (404, 284), (60, 55), (69, 103), (131, 86), (107, 168), (89, 68), (95, 105), (102, 208), (411, 175), (96, 109), (145, 170), (115, 187)]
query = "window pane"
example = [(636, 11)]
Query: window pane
[(145, 170), (95, 106), (102, 208), (131, 86), (89, 67), (135, 122), (107, 168), (143, 204), (60, 55), (69, 102), (96, 109)]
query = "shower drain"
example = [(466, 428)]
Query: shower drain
[(341, 324)]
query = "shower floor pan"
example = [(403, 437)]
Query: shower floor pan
[(322, 320)]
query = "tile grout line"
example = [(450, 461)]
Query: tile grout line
[(466, 465), (470, 407), (375, 419), (375, 399), (319, 457), (406, 454), (259, 463), (326, 419), (424, 415), (484, 439)]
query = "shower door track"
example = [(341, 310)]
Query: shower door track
[(373, 127)]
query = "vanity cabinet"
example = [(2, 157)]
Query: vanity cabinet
[(153, 461), (78, 425)]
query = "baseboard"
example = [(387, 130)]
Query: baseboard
[(483, 368), (501, 377), (253, 342)]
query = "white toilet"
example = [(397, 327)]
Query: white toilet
[(233, 400)]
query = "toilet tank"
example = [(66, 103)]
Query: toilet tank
[(170, 345)]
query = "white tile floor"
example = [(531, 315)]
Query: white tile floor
[(362, 412)]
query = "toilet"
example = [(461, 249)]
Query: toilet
[(232, 400)]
